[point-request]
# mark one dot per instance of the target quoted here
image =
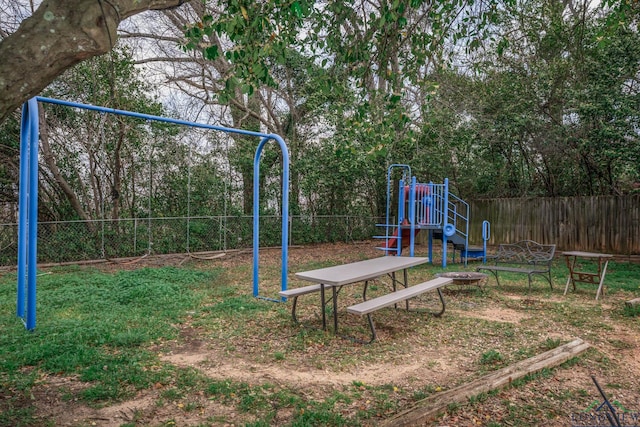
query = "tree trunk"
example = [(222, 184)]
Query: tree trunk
[(245, 147), (116, 185), (50, 160), (57, 36)]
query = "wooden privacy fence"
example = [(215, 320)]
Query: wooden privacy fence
[(609, 224)]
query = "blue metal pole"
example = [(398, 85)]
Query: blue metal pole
[(432, 213), (23, 203), (401, 214), (412, 215), (486, 234), (445, 209), (256, 219), (32, 215), (256, 212), (152, 117), (406, 172), (387, 209), (285, 211)]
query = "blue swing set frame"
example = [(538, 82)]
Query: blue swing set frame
[(28, 199)]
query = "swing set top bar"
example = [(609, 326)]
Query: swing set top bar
[(156, 118)]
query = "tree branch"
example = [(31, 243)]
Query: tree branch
[(57, 36)]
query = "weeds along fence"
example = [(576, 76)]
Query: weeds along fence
[(75, 241)]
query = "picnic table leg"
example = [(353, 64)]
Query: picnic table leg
[(322, 302), (373, 332), (393, 283), (293, 309), (604, 272), (570, 265), (364, 291), (373, 329), (406, 283), (335, 309), (443, 304)]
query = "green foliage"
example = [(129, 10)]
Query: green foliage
[(366, 43), (360, 88), (97, 161), (631, 310), (491, 357), (621, 276), (557, 107), (551, 343), (250, 399), (257, 35), (319, 415), (73, 242)]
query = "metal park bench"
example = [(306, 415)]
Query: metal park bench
[(526, 257)]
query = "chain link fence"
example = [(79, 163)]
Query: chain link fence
[(75, 241)]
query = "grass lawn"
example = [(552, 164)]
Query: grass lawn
[(186, 344)]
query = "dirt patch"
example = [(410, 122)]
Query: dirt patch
[(147, 406), (310, 378), (499, 315)]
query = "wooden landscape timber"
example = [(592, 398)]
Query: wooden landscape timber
[(428, 408), (633, 303)]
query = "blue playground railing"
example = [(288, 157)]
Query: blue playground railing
[(424, 206)]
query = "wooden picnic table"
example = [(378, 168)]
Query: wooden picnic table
[(584, 276), (361, 271)]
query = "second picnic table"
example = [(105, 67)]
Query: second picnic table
[(596, 278)]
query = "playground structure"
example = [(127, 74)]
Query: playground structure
[(28, 198), (430, 207)]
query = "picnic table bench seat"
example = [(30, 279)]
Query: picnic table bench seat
[(295, 293), (525, 256), (404, 294)]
